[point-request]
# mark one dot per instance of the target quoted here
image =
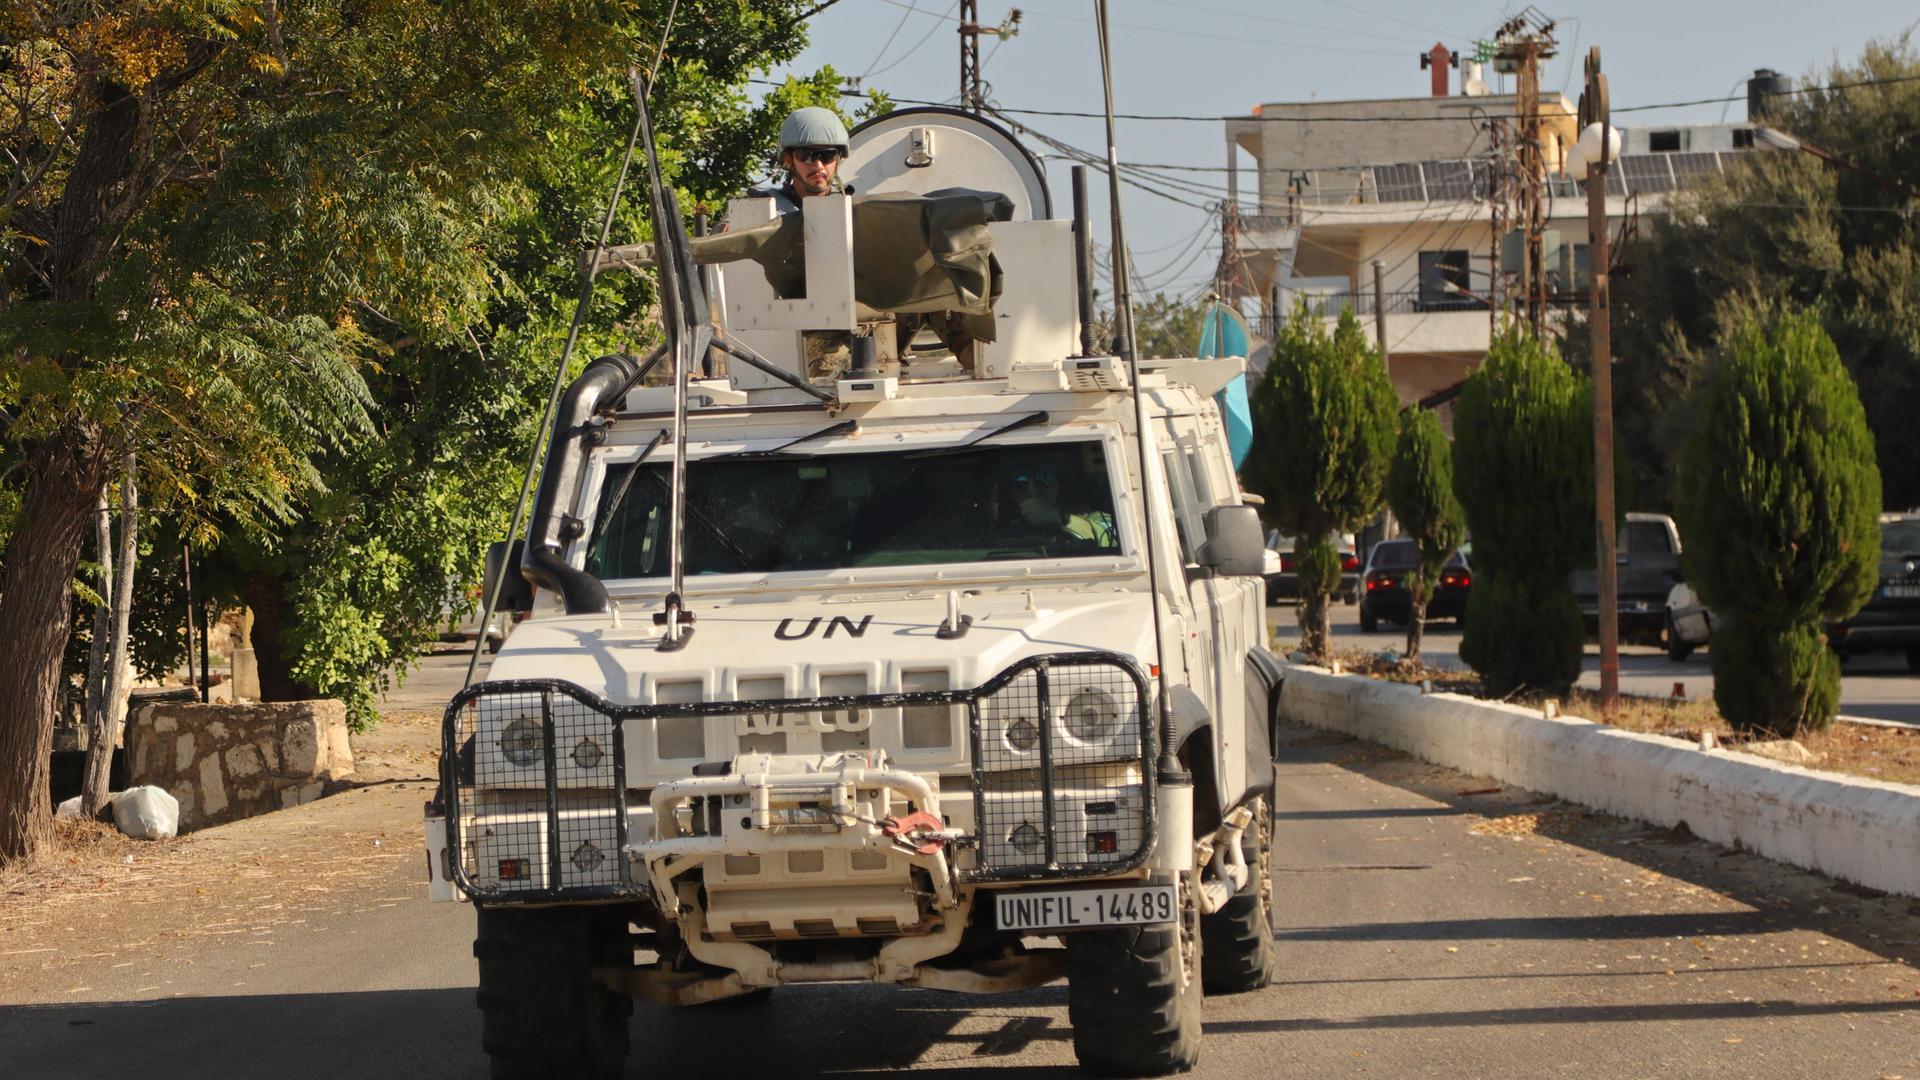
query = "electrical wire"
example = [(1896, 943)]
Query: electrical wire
[(1282, 22), (888, 44), (924, 38), (1239, 39)]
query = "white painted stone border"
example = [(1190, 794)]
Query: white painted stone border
[(1859, 830)]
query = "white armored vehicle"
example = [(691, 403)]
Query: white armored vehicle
[(940, 670)]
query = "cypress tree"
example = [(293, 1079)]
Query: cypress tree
[(1523, 471), (1779, 499), (1420, 492), (1323, 417)]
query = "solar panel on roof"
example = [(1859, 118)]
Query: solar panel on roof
[(1450, 181), (1398, 183), (1647, 173)]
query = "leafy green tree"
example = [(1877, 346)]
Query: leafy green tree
[(1779, 501), (1785, 228), (1167, 326), (1523, 472), (219, 216), (1420, 493), (1323, 422)]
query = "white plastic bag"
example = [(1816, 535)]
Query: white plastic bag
[(146, 813)]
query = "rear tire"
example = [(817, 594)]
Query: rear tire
[(1236, 943), (1368, 621), (1134, 994), (542, 1015), (1913, 659)]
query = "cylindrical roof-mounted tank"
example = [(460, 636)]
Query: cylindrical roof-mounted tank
[(1764, 92)]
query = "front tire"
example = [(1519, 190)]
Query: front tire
[(1134, 993), (542, 1015), (1236, 944)]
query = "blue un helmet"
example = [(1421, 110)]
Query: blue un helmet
[(813, 126)]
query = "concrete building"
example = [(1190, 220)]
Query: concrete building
[(1407, 183)]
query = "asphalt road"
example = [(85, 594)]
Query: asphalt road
[(1427, 926), (1877, 687)]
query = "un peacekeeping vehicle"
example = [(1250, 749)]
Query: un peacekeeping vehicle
[(934, 668)]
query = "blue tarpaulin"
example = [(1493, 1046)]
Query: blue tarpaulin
[(1223, 332)]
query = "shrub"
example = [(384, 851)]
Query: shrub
[(1523, 471), (1420, 491), (1779, 500), (1323, 434)]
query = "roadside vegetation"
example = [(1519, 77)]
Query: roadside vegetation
[(1779, 500), (311, 275), (1523, 471), (1323, 421), (1420, 493)]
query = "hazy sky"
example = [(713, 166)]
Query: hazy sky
[(1217, 57)]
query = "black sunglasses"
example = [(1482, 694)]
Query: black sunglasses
[(820, 154)]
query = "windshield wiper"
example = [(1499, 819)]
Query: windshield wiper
[(626, 484), (1028, 420), (844, 427)]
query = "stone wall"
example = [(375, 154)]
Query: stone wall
[(227, 762)]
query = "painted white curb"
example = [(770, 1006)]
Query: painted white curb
[(1859, 830)]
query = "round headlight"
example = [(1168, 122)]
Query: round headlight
[(523, 741), (587, 857), (587, 753), (1023, 735), (1092, 715), (1024, 837)]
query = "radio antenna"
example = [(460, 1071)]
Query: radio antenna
[(1168, 766), (689, 326)]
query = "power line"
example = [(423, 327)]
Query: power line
[(888, 44), (924, 38)]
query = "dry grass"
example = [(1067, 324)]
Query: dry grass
[(1876, 753)]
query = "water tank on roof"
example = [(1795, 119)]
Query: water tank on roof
[(926, 149), (1763, 93)]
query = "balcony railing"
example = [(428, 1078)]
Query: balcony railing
[(1397, 302)]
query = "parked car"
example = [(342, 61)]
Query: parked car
[(1689, 622), (1890, 621), (1386, 597), (1284, 586), (1647, 567)]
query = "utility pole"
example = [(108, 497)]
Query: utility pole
[(1227, 277), (1524, 41), (1497, 195), (1595, 109), (973, 95)]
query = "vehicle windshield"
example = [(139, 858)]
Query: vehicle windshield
[(1900, 537), (1395, 555), (900, 508)]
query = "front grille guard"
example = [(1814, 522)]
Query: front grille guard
[(565, 710)]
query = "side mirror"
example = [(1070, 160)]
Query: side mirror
[(1235, 545), (516, 594)]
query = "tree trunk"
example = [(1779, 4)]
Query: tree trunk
[(264, 593), (117, 676), (64, 476), (1417, 596), (1315, 633)]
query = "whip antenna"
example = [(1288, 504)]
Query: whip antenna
[(1168, 766), (689, 326)]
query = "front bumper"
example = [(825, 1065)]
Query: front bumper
[(566, 823)]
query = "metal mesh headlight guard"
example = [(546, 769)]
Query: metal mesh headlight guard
[(1061, 787)]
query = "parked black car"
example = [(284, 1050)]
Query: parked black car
[(1384, 582), (1646, 568), (1284, 586), (1890, 621)]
